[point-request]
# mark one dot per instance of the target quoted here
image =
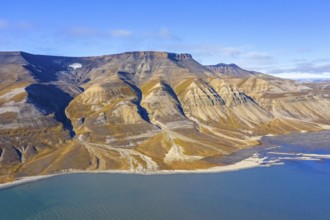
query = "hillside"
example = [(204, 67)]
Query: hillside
[(141, 111)]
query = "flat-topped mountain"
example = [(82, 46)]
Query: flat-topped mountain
[(141, 111)]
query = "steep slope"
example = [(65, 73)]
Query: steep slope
[(29, 126), (287, 98), (140, 111)]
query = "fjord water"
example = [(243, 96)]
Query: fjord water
[(296, 191)]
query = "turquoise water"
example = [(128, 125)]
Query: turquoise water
[(299, 190)]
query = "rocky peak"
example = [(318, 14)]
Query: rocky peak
[(231, 70), (231, 65)]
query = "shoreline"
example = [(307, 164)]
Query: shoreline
[(250, 162)]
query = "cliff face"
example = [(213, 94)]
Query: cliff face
[(141, 111)]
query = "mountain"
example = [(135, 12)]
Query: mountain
[(141, 111), (231, 71)]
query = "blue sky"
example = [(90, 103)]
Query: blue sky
[(288, 38)]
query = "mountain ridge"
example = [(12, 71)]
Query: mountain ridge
[(141, 53), (141, 111), (220, 67), (232, 70)]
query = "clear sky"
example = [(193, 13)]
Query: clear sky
[(289, 38)]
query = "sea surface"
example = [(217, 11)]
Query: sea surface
[(299, 189)]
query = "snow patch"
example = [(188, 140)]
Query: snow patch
[(75, 66)]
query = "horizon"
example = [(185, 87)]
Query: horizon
[(280, 38)]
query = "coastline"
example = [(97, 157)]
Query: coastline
[(250, 162), (247, 163)]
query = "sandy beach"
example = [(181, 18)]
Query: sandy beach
[(251, 162)]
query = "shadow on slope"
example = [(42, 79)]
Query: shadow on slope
[(43, 68), (49, 99), (174, 96), (124, 76)]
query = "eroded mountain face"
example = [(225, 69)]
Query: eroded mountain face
[(141, 111)]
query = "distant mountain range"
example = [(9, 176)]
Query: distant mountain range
[(231, 70), (141, 111), (314, 80)]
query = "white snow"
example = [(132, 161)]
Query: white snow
[(75, 66)]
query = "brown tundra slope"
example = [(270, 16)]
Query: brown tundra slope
[(141, 111)]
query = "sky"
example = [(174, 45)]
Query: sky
[(286, 38)]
